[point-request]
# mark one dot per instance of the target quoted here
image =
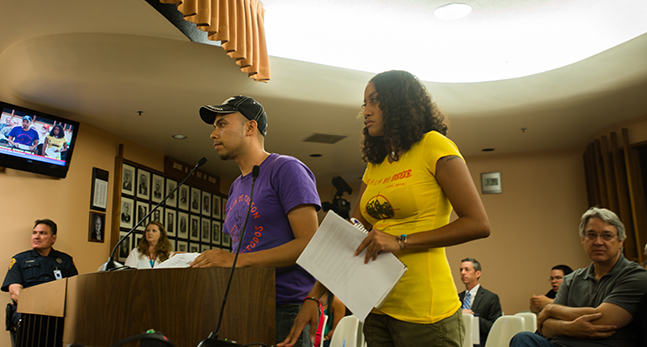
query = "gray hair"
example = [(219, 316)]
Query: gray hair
[(475, 263), (605, 215)]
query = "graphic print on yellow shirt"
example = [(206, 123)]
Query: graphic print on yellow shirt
[(404, 197)]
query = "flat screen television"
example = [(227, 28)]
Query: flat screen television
[(35, 141)]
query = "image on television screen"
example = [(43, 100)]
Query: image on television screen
[(33, 138)]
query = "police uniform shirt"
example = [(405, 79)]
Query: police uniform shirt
[(29, 268)]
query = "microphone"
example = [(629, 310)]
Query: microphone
[(111, 265), (212, 340)]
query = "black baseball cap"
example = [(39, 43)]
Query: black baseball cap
[(246, 105)]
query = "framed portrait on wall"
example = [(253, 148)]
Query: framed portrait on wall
[(223, 205), (206, 230), (126, 215), (215, 232), (170, 220), (183, 198), (206, 204), (226, 241), (127, 179), (157, 193), (182, 225), (195, 200), (158, 215), (124, 247), (138, 236), (142, 211), (182, 246), (194, 230), (215, 207), (204, 248), (96, 231), (172, 199), (194, 247), (143, 184)]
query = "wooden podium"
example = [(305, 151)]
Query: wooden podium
[(102, 308)]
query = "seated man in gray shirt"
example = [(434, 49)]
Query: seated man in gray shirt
[(595, 305)]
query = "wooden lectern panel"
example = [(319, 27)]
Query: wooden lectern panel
[(32, 299), (184, 304)]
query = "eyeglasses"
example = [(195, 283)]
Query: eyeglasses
[(591, 236)]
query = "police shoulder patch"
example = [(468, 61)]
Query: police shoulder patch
[(13, 261)]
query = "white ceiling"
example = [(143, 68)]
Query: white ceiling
[(100, 62)]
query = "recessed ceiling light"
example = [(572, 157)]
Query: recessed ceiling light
[(179, 137), (487, 149), (316, 155), (452, 11)]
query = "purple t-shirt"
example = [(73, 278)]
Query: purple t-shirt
[(23, 137), (283, 183)]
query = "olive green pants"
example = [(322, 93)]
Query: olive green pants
[(385, 331)]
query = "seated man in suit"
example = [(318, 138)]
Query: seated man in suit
[(477, 299), (596, 305)]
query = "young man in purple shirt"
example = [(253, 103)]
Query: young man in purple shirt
[(283, 215)]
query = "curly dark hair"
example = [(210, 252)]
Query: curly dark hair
[(163, 247), (61, 132), (408, 113)]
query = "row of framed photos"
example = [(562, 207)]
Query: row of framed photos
[(141, 184), (178, 224), (176, 245)]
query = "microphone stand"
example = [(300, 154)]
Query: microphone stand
[(111, 264), (213, 340)]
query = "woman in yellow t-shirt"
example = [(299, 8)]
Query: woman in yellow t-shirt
[(414, 177), (55, 143)]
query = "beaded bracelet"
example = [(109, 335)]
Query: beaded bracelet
[(401, 238), (312, 298)]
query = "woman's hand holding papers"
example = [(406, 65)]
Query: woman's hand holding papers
[(377, 242)]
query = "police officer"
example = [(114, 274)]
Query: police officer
[(39, 265)]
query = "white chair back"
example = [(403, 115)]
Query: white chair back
[(467, 321), (348, 333), (530, 321), (476, 332), (503, 329)]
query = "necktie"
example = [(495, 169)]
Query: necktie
[(467, 303)]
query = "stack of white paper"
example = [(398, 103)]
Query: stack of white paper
[(178, 260), (330, 258)]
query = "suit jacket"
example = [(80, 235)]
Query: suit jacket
[(488, 307)]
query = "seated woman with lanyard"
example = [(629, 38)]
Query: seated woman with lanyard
[(153, 248)]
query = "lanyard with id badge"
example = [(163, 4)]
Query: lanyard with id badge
[(57, 273)]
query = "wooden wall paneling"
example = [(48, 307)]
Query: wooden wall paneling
[(116, 197), (621, 185), (636, 198), (177, 170), (591, 177), (599, 168), (609, 176)]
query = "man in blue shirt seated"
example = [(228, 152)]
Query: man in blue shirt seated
[(24, 137), (595, 306), (39, 265)]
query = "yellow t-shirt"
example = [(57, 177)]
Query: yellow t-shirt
[(55, 141), (404, 197)]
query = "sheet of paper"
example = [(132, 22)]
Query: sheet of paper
[(330, 258), (178, 260)]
